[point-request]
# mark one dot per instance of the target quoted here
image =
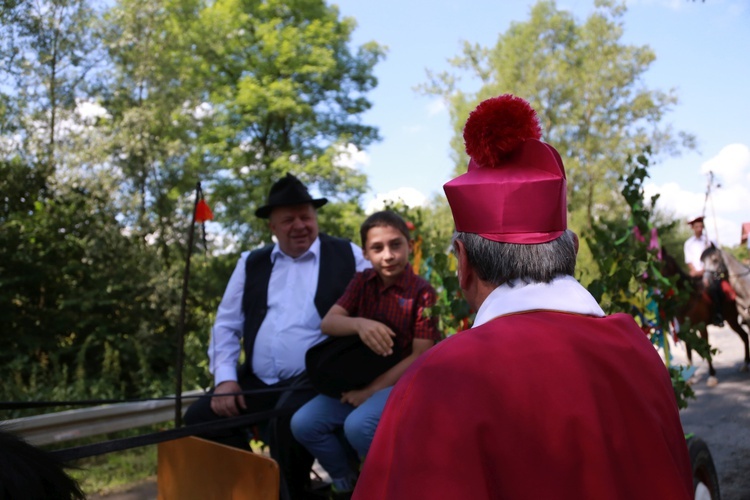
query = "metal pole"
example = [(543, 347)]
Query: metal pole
[(705, 203), (181, 319), (708, 191)]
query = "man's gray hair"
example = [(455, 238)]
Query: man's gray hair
[(497, 263)]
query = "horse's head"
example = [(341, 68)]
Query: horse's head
[(712, 261)]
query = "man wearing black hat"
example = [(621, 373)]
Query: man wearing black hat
[(272, 309)]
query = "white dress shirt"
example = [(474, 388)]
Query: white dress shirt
[(562, 294), (694, 248), (291, 325)]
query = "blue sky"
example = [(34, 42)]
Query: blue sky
[(702, 49)]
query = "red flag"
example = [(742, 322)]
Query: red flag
[(203, 212)]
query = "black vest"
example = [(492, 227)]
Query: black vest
[(337, 268)]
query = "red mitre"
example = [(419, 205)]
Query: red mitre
[(515, 187)]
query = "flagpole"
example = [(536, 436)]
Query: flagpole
[(181, 320)]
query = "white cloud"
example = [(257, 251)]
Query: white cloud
[(412, 129), (10, 143), (200, 112), (729, 202), (350, 156), (203, 110), (730, 164), (670, 4), (89, 111), (83, 119), (408, 196), (435, 107)]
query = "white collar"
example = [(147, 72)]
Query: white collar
[(314, 250), (562, 294)]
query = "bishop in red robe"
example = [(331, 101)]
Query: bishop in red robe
[(545, 397)]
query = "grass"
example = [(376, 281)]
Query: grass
[(115, 471)]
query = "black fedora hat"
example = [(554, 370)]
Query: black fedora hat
[(285, 192)]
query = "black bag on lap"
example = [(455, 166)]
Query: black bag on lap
[(340, 364)]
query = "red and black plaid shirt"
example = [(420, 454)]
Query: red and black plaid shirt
[(400, 306)]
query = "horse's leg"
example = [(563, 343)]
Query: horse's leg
[(689, 353), (712, 381)]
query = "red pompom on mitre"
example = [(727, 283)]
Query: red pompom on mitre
[(497, 127)]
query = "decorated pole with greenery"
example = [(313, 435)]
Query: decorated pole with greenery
[(628, 253)]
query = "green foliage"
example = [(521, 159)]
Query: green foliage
[(633, 278), (209, 277), (80, 297), (342, 219), (741, 252)]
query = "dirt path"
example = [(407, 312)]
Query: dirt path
[(721, 415)]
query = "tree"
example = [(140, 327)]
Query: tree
[(587, 87), (48, 48), (82, 302), (286, 93), (154, 122), (237, 93)]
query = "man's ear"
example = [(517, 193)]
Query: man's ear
[(463, 269), (575, 242)]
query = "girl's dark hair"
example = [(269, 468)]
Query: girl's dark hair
[(385, 218)]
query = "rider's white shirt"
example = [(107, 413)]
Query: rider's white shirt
[(694, 248)]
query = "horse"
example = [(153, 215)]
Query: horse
[(724, 265), (697, 309)]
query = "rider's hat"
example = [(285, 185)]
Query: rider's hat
[(695, 219)]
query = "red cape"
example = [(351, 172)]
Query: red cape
[(535, 405)]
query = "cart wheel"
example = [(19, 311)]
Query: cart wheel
[(705, 479)]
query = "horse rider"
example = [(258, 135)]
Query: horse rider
[(694, 248)]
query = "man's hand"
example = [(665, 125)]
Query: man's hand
[(356, 397), (376, 336), (228, 406)]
